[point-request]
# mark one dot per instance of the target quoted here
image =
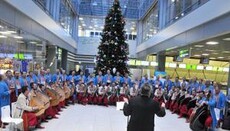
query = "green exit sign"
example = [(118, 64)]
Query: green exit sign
[(184, 53)]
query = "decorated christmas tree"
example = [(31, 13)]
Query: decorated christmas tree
[(113, 50)]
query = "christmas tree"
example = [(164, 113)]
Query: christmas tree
[(113, 50)]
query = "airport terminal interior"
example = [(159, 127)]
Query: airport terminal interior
[(70, 65)]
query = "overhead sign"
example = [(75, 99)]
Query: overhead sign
[(184, 53)]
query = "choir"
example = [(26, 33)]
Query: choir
[(41, 96)]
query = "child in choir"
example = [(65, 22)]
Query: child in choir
[(102, 95), (113, 94), (133, 90), (81, 93), (123, 92), (158, 95), (92, 96)]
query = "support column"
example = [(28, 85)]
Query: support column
[(139, 32), (228, 86), (55, 6), (51, 58), (162, 7), (161, 58), (64, 59)]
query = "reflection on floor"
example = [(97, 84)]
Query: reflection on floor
[(100, 118)]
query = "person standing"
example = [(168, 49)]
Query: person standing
[(4, 96), (142, 110)]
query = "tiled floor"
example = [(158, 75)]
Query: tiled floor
[(100, 118)]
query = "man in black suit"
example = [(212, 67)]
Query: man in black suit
[(142, 110)]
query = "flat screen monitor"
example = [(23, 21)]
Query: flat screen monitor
[(204, 60)]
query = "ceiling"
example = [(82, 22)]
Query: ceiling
[(132, 9), (220, 51), (97, 24)]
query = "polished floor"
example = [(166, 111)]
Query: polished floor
[(100, 118)]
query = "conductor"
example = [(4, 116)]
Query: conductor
[(142, 110)]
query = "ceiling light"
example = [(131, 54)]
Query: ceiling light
[(176, 17), (18, 37), (5, 32), (95, 25), (205, 54), (212, 58), (199, 46), (226, 51), (90, 27), (220, 57), (174, 47), (33, 42), (214, 53), (156, 15), (210, 50), (11, 31), (197, 55), (102, 27), (212, 43), (83, 24), (173, 0), (226, 39), (80, 18), (125, 6), (1, 26), (94, 3), (3, 36), (19, 41), (182, 14)]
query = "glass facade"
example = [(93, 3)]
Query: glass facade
[(66, 17), (176, 9), (150, 24), (62, 11), (20, 50)]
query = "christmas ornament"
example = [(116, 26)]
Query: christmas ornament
[(114, 70)]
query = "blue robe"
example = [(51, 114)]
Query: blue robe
[(17, 85), (83, 78), (107, 77), (23, 82), (89, 79), (195, 86), (118, 79), (176, 84), (220, 103), (144, 80), (35, 79), (48, 78), (99, 79), (201, 87), (211, 104), (41, 79), (56, 77), (169, 83), (4, 95), (127, 80), (64, 77), (72, 78)]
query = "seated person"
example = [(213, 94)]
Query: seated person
[(26, 112)]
